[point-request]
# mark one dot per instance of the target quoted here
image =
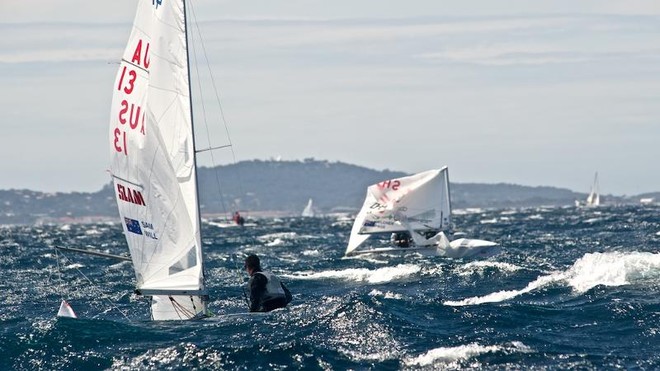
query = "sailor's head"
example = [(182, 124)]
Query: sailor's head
[(252, 263)]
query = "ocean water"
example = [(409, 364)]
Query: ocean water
[(571, 289)]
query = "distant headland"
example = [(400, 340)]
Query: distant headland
[(283, 188)]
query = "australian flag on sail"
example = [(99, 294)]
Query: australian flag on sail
[(133, 225)]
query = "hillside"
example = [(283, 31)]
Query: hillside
[(283, 186)]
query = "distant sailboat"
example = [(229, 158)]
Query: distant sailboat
[(594, 196), (416, 212), (153, 162), (309, 209)]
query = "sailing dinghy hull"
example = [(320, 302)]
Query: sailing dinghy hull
[(460, 248)]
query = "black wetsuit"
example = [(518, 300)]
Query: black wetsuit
[(264, 300)]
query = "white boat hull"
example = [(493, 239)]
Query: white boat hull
[(460, 248)]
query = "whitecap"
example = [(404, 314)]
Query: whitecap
[(479, 267), (592, 269), (386, 295), (74, 266), (276, 242), (461, 352), (612, 269), (380, 275), (499, 296), (281, 235)]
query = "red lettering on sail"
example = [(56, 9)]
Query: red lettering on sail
[(146, 57), (122, 112), (139, 58), (134, 118), (118, 134), (121, 192), (394, 185), (130, 195), (142, 128), (130, 83)]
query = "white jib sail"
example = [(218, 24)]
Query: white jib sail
[(419, 202), (153, 163)]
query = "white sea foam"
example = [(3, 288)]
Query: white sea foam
[(613, 269), (92, 232), (275, 242), (593, 269), (311, 253), (469, 210), (480, 266), (499, 296), (380, 275), (446, 355), (224, 224), (281, 235), (386, 295)]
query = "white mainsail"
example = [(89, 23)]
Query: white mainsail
[(594, 196), (419, 202), (309, 209), (153, 162)]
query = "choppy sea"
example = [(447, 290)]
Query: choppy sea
[(571, 289)]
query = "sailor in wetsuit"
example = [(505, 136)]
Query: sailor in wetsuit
[(400, 239), (266, 290)]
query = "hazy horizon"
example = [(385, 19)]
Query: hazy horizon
[(537, 94)]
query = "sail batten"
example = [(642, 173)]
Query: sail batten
[(153, 159)]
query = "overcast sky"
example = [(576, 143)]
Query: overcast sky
[(541, 92)]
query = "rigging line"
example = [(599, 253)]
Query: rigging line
[(217, 97), (204, 114), (180, 309), (94, 286), (59, 271), (240, 281)]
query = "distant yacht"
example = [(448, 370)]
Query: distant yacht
[(308, 212), (593, 199)]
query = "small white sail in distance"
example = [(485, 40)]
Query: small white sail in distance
[(594, 195), (66, 310), (153, 162), (309, 209)]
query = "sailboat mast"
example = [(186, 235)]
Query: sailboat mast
[(192, 128), (449, 227)]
